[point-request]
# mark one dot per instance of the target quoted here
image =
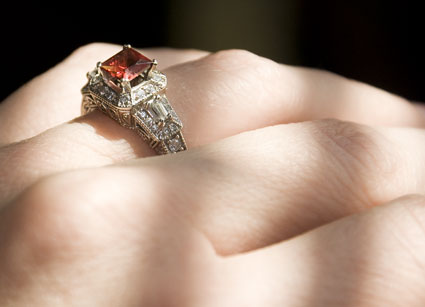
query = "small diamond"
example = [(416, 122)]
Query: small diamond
[(154, 128), (141, 94), (124, 101), (167, 105), (173, 128), (143, 114), (94, 77), (149, 89), (165, 133), (160, 79), (148, 121), (174, 145)]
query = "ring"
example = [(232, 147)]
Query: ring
[(130, 89)]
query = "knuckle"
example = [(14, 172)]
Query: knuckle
[(234, 59), (75, 214), (58, 216), (355, 145)]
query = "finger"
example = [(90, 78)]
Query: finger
[(96, 252), (54, 97), (213, 103), (55, 240), (232, 91), (372, 259), (271, 184)]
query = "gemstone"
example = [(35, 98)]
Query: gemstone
[(174, 145), (165, 133), (94, 77), (173, 128), (160, 79), (124, 101), (126, 64), (157, 110), (149, 89), (141, 94), (143, 114), (148, 121)]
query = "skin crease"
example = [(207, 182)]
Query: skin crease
[(258, 213)]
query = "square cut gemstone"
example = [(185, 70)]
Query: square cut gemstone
[(126, 64)]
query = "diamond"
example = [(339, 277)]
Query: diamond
[(140, 94), (148, 121), (174, 145), (160, 79), (142, 114), (157, 110), (94, 77), (149, 89), (165, 133), (124, 101), (173, 128), (126, 64)]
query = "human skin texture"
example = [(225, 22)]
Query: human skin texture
[(300, 188)]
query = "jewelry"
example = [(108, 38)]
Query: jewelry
[(128, 88)]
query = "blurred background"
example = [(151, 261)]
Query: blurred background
[(373, 41)]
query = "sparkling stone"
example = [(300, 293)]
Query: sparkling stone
[(175, 117), (154, 128), (124, 100), (174, 145), (165, 133), (157, 110), (148, 121), (166, 130), (94, 77), (149, 89), (141, 94), (126, 64), (167, 105), (142, 114), (173, 128), (160, 79)]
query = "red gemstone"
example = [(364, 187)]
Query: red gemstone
[(126, 64)]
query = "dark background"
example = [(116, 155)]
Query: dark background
[(372, 41)]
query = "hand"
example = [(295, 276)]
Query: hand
[(83, 223)]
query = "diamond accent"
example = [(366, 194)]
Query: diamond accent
[(159, 79), (124, 101), (148, 121), (173, 128), (149, 89), (141, 94), (142, 114), (174, 145), (157, 110)]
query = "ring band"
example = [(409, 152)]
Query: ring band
[(128, 88)]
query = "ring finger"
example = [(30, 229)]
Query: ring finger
[(217, 96), (267, 185)]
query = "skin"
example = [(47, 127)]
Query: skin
[(275, 204)]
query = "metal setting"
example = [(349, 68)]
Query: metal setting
[(139, 104)]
